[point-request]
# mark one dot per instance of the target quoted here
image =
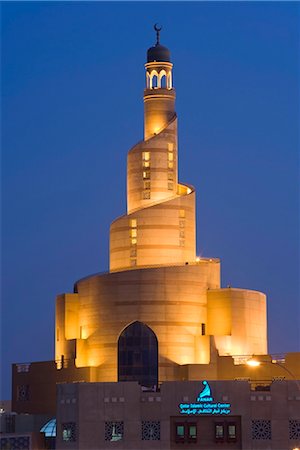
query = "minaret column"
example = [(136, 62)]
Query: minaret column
[(159, 94)]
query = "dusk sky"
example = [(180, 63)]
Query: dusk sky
[(72, 107)]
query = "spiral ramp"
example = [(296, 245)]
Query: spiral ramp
[(154, 276)]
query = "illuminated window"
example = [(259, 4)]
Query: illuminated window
[(170, 146), (219, 432), (170, 156), (179, 432), (146, 174), (170, 186), (146, 164), (69, 431), (170, 164), (185, 432), (133, 223), (147, 184), (146, 156), (133, 232), (170, 176), (192, 432), (182, 213), (146, 195), (133, 241)]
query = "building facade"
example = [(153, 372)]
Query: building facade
[(153, 354), (230, 415)]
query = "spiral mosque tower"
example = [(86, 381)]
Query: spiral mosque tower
[(160, 310)]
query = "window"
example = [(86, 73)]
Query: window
[(170, 176), (114, 431), (138, 355), (133, 251), (170, 156), (203, 329), (170, 146), (192, 432), (181, 223), (181, 242), (20, 442), (181, 233), (231, 432), (146, 156), (146, 174), (146, 164), (154, 81), (294, 428), (147, 184), (133, 232), (261, 430), (170, 186), (23, 392), (185, 432), (179, 432), (146, 195), (219, 432), (10, 424), (182, 213), (163, 81), (69, 431), (170, 164), (150, 430)]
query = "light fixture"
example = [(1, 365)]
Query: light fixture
[(253, 363)]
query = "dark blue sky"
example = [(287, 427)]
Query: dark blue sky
[(72, 86)]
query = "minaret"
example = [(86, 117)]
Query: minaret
[(159, 95), (155, 286), (160, 226)]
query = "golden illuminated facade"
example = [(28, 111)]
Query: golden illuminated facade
[(155, 277)]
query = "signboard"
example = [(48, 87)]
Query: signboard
[(205, 404)]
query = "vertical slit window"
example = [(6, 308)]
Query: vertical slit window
[(219, 432)]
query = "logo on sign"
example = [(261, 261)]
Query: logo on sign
[(205, 404)]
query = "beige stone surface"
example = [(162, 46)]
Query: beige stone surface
[(155, 276)]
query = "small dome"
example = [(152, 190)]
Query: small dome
[(49, 428), (158, 53)]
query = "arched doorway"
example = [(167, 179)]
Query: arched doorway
[(138, 355)]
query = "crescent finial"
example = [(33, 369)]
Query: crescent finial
[(158, 30)]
